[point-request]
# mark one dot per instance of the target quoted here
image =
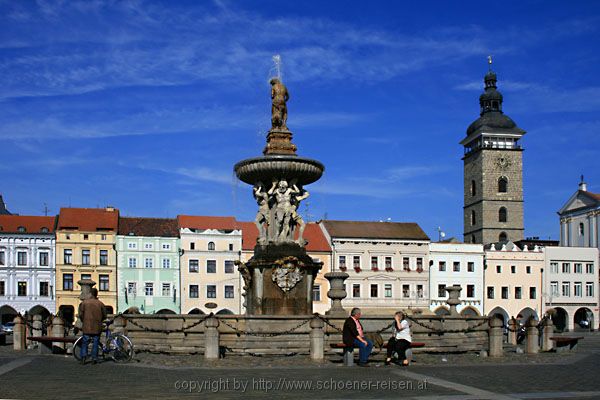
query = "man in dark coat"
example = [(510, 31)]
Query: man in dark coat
[(354, 336), (91, 313)]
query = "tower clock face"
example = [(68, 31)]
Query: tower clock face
[(502, 163)]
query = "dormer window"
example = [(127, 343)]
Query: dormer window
[(45, 230), (21, 229)]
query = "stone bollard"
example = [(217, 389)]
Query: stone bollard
[(495, 337), (547, 344), (19, 339), (513, 326), (211, 338), (533, 345), (37, 326), (317, 339), (58, 330)]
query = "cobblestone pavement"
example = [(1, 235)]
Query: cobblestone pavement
[(26, 375)]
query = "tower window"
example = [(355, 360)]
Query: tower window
[(495, 105), (502, 214), (473, 188), (473, 217), (502, 185), (502, 237), (472, 238)]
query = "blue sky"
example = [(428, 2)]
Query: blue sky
[(148, 105)]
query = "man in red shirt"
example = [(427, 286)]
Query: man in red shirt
[(353, 336)]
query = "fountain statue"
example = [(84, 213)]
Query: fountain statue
[(278, 279)]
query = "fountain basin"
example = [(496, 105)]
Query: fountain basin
[(276, 167)]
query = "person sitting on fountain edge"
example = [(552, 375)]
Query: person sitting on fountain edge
[(353, 336), (400, 340)]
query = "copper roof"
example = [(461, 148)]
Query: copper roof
[(139, 226), (374, 230), (313, 234), (31, 224), (207, 222), (88, 219)]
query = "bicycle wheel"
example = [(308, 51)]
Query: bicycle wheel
[(120, 348), (77, 349)]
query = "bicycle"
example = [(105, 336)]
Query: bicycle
[(118, 346)]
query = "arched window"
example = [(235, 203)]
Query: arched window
[(502, 237), (473, 217), (495, 105), (473, 188), (502, 214), (502, 185), (21, 229), (211, 245)]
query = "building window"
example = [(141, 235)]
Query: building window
[(67, 281), (356, 262), (356, 290), (192, 246), (472, 238), (316, 292), (374, 263), (44, 289), (132, 288), (229, 267), (166, 246), (149, 263), (103, 237), (589, 289), (502, 237), (566, 289), (442, 266), (104, 285), (374, 290), (518, 292), (473, 217), (388, 263), (194, 293), (528, 269), (502, 185), (456, 266), (589, 268), (21, 229), (43, 259), (211, 246), (230, 246), (131, 245), (211, 291), (166, 289), (441, 290), (513, 269), (85, 257), (193, 266), (211, 266), (68, 256), (502, 214), (499, 269), (419, 264), (473, 188), (2, 258), (166, 263), (554, 288), (577, 289), (578, 268), (532, 292), (420, 291), (132, 262), (103, 257), (470, 290), (490, 292), (86, 236), (86, 276), (149, 289), (581, 229), (21, 258), (505, 292), (406, 264), (406, 291), (22, 288), (2, 288), (566, 268), (148, 246), (470, 266), (387, 290), (342, 262), (554, 268)]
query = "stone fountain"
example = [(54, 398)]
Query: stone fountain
[(278, 279)]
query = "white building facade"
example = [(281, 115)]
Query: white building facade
[(456, 264), (580, 219), (27, 266)]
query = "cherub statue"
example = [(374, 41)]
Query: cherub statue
[(283, 208), (262, 216), (300, 194), (279, 95)]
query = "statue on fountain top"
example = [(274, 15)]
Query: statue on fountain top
[(279, 95)]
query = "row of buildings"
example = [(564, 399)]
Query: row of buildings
[(188, 265)]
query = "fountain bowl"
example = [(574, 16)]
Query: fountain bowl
[(268, 168)]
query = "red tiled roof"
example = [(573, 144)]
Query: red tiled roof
[(88, 219), (374, 230), (207, 222), (313, 234), (32, 224), (139, 226)]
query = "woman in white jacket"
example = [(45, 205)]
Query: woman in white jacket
[(400, 340)]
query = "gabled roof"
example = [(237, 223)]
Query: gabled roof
[(313, 234), (374, 230), (88, 219), (207, 222), (140, 226), (580, 200), (31, 224)]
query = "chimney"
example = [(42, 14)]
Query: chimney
[(582, 185), (110, 208)]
